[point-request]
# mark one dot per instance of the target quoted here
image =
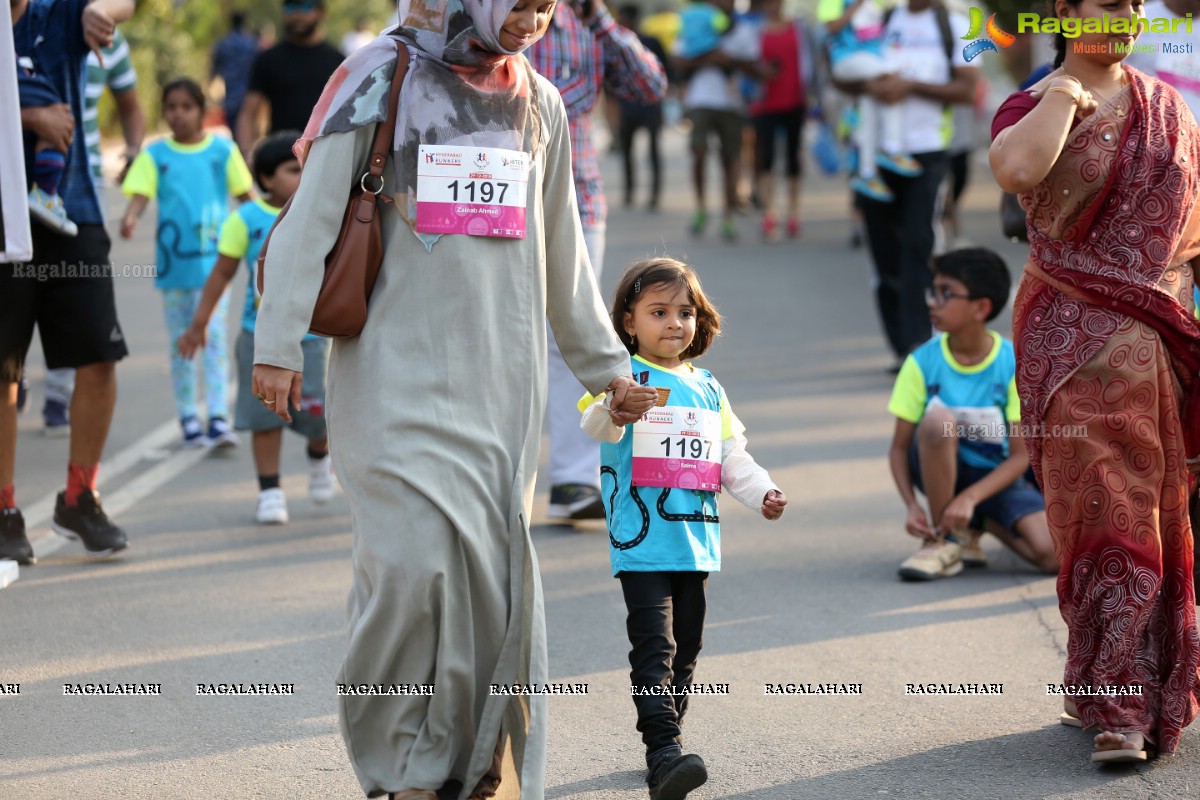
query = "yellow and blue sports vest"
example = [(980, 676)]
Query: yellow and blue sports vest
[(662, 530)]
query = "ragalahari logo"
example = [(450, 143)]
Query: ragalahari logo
[(995, 36)]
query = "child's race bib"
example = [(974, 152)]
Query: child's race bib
[(676, 447), (479, 191)]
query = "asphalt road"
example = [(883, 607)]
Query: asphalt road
[(203, 595)]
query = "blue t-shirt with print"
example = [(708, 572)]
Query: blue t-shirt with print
[(983, 397), (192, 184), (663, 530), (50, 32)]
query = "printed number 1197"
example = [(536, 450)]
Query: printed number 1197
[(486, 191)]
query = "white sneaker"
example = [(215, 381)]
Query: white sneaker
[(49, 210), (272, 507), (321, 483)]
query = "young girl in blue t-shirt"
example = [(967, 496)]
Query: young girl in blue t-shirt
[(192, 174), (659, 478)]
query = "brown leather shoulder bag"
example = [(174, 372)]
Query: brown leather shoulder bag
[(353, 264)]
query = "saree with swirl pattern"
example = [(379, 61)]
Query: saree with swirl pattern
[(1107, 350)]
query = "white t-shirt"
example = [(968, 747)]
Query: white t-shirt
[(710, 87), (1176, 59), (914, 43)]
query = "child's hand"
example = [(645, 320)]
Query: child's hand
[(773, 504), (917, 524), (128, 225), (958, 513), (193, 339)]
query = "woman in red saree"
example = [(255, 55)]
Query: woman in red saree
[(1106, 162)]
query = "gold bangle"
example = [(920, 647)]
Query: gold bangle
[(1075, 96)]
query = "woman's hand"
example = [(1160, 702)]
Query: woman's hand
[(1085, 103), (773, 504), (276, 388), (629, 400)]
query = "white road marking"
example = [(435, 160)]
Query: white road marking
[(149, 448)]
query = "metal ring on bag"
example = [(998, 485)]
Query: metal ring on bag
[(363, 183)]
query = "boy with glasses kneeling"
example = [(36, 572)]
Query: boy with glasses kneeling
[(958, 436)]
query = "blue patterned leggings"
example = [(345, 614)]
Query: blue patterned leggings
[(180, 307)]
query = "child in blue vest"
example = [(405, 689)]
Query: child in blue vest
[(659, 478), (277, 173), (958, 437), (191, 174)]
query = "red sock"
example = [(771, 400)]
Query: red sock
[(80, 479), (7, 497)]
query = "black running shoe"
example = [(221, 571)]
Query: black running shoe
[(575, 501), (673, 778), (14, 544), (88, 523)]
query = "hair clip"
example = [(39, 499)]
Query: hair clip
[(637, 286)]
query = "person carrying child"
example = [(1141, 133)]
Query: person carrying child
[(277, 173), (660, 484), (191, 173), (856, 53), (957, 436), (46, 160)]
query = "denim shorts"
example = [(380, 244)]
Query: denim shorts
[(1007, 507)]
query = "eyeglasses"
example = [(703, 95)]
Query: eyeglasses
[(938, 297), (300, 7)]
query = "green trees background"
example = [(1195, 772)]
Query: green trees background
[(171, 38)]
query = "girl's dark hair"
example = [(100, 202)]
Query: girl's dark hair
[(188, 85), (982, 271), (665, 271), (1060, 41), (272, 152)]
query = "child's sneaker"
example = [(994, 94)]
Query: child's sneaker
[(220, 435), (937, 558), (57, 420), (699, 222), (193, 433), (272, 507), (49, 210), (899, 163), (321, 485), (972, 553), (873, 189)]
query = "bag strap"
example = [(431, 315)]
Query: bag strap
[(385, 132)]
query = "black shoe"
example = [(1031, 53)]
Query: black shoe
[(673, 778), (14, 544), (575, 501), (88, 523)]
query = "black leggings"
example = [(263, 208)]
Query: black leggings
[(766, 127), (666, 630)]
